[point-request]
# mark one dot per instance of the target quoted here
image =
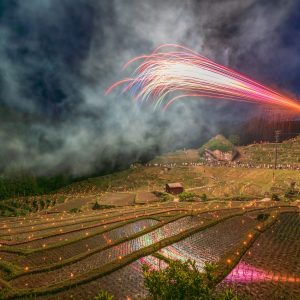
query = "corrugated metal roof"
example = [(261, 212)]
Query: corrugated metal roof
[(174, 185)]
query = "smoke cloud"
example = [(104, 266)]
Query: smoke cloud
[(59, 56)]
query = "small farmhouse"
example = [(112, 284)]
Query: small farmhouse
[(174, 188)]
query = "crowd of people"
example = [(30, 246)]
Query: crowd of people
[(230, 164)]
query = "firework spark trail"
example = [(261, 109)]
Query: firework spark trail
[(164, 77)]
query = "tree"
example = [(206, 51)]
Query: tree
[(183, 281)]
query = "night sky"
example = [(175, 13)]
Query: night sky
[(58, 57)]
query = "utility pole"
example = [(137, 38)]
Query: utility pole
[(277, 135)]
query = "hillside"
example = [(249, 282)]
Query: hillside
[(219, 142), (136, 185), (179, 156), (264, 153), (288, 152)]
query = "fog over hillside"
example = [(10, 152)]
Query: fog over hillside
[(59, 56)]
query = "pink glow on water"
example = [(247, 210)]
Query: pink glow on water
[(244, 273)]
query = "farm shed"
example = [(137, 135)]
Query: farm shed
[(174, 188)]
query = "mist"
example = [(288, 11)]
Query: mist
[(59, 56)]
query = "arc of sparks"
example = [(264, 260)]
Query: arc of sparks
[(167, 76)]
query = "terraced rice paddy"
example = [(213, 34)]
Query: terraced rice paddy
[(64, 256), (127, 282), (212, 243), (271, 267), (85, 244)]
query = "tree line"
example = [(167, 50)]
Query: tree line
[(29, 185)]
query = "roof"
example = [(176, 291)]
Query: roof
[(174, 185)]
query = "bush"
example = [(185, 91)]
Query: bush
[(262, 217), (21, 212), (35, 205), (96, 206), (75, 210), (101, 206), (275, 197), (187, 196), (61, 199), (104, 295), (42, 204), (240, 198), (48, 203), (289, 193), (183, 281), (163, 197), (203, 197)]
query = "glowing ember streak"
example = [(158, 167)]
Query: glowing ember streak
[(188, 74)]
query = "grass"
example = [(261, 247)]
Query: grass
[(215, 182), (178, 157), (288, 152)]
